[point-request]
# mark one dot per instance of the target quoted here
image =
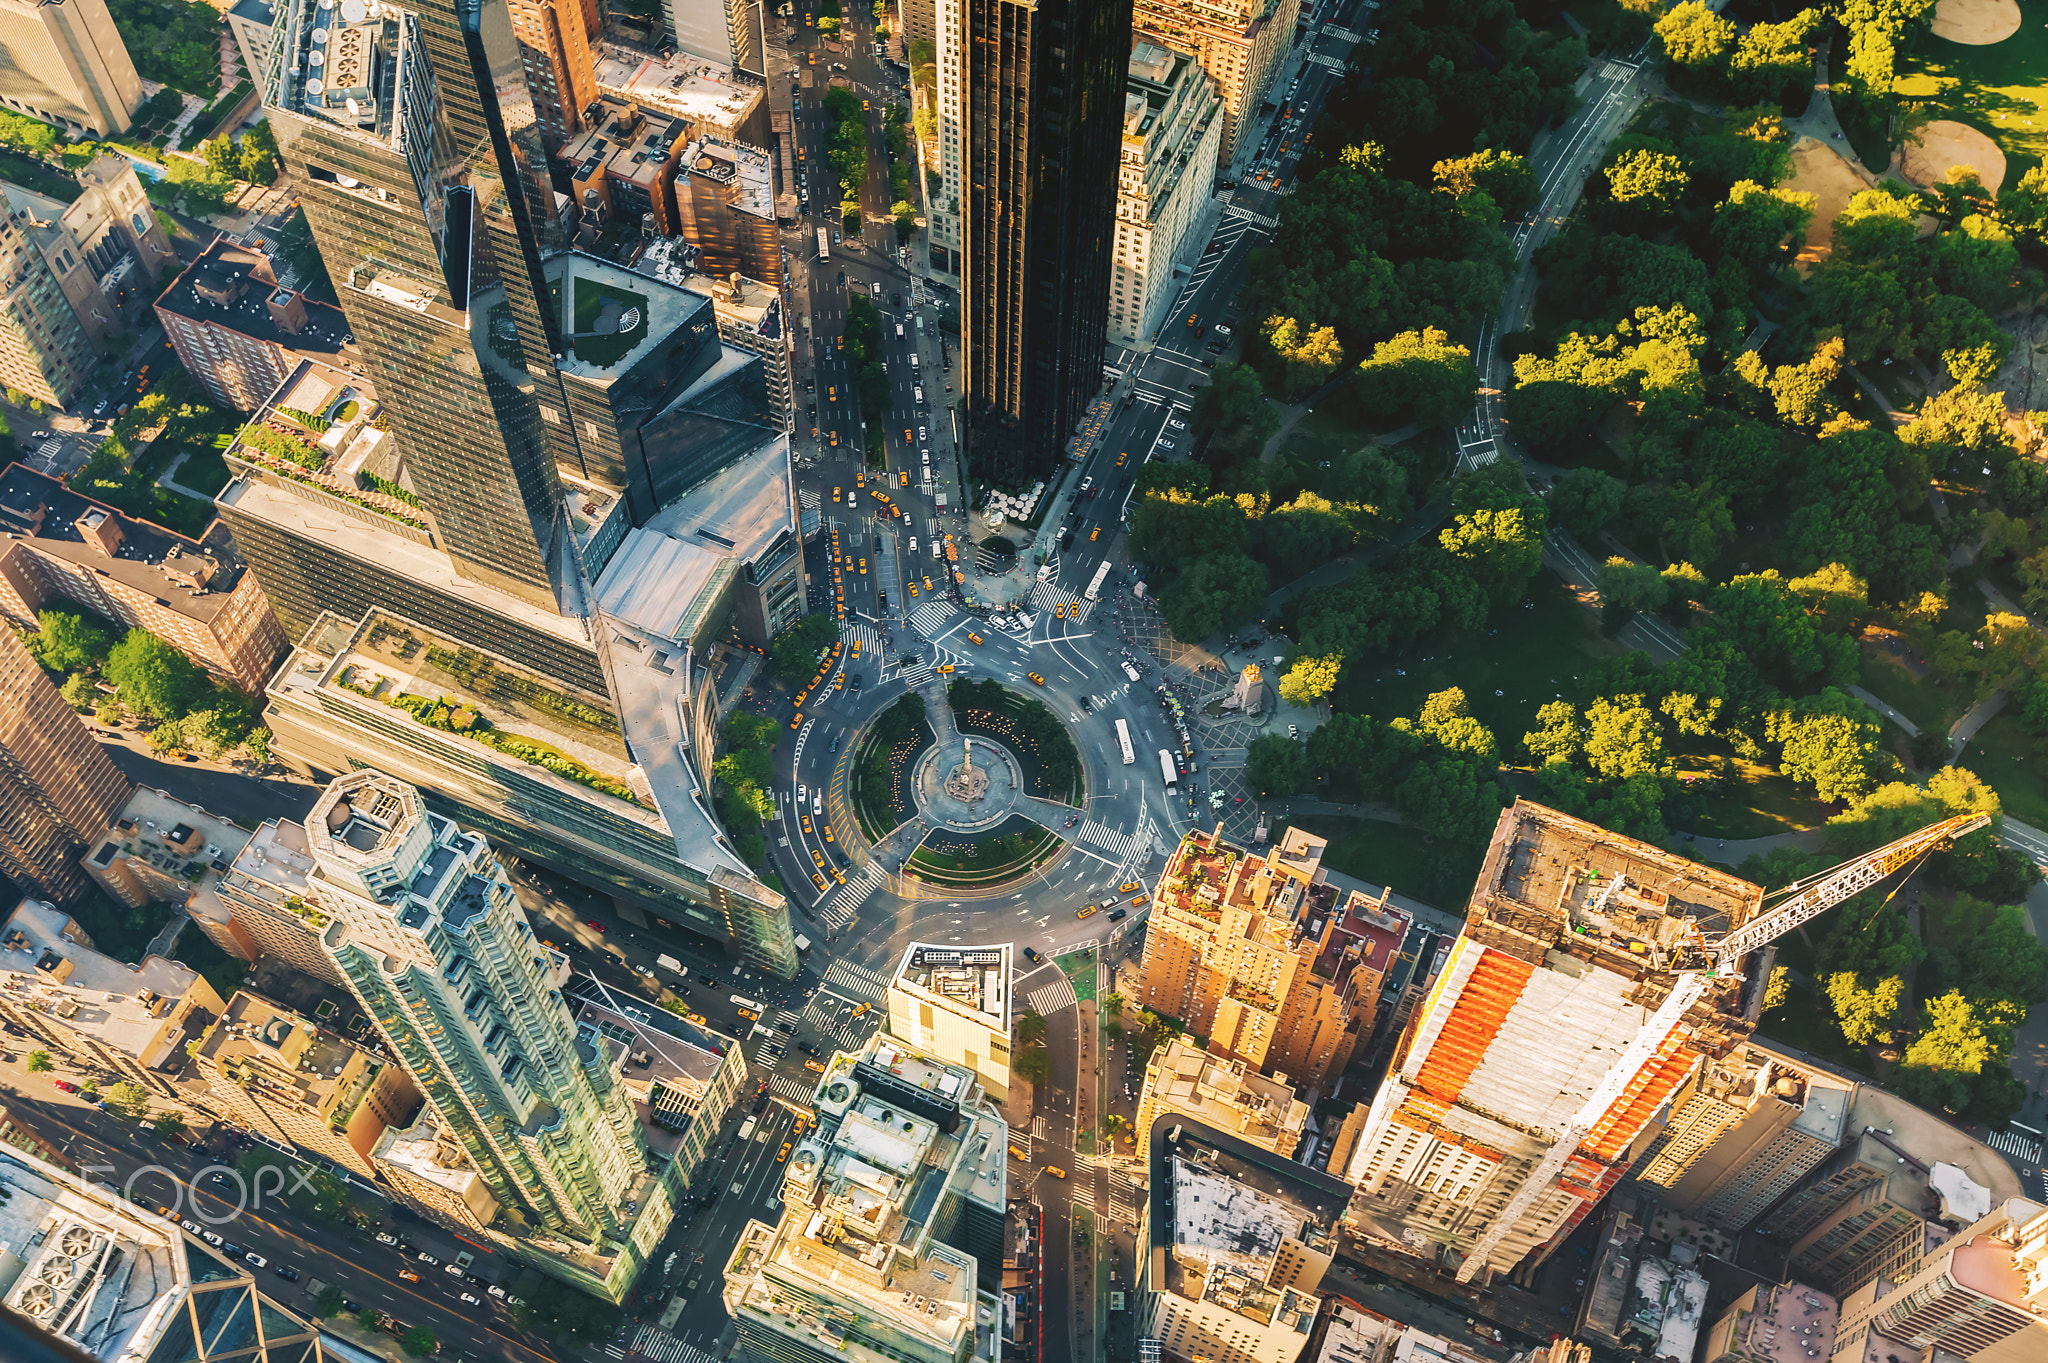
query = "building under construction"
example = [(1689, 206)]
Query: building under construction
[(1559, 1026)]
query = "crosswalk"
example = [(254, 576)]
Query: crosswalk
[(1324, 59), (931, 617), (1126, 1195), (1122, 846), (859, 981), (1046, 597), (869, 638), (794, 1090), (658, 1344), (1049, 999), (844, 906), (916, 675), (1237, 213), (2012, 1143)]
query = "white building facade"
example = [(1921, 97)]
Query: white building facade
[(1173, 133)]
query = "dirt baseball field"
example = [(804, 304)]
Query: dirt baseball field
[(1927, 155), (1976, 22), (1820, 171)]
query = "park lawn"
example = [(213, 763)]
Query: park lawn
[(1419, 865), (2008, 78), (2013, 761), (1932, 707), (1531, 654), (1336, 425), (1755, 800)]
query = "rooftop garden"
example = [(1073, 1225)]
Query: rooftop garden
[(276, 442), (608, 322), (452, 716)]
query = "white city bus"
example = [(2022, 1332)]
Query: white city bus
[(1095, 587), (824, 245), (1123, 740), (1171, 772)]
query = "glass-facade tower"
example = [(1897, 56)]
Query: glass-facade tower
[(1044, 139)]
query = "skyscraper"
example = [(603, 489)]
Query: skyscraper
[(432, 941), (58, 789), (66, 63), (955, 1003), (1979, 1297), (1172, 129), (1042, 98), (1546, 1045), (538, 408)]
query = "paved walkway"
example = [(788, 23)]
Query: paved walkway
[(1963, 730), (1912, 729)]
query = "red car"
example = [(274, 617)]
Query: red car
[(593, 923), (65, 1085)]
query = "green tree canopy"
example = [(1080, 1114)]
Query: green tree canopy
[(1695, 37), (1419, 373), (67, 640), (1275, 765), (154, 678), (798, 650)]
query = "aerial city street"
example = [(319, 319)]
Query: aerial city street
[(993, 681)]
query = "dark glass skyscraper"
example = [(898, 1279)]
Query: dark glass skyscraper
[(1044, 126)]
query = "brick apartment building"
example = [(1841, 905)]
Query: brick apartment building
[(195, 595)]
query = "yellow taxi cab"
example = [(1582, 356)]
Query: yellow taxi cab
[(972, 637), (860, 479), (835, 440), (839, 875), (1095, 534), (1059, 612), (1120, 458), (796, 721), (1128, 886), (801, 694), (839, 343), (863, 567), (1090, 911), (906, 435), (1036, 680), (1193, 319), (783, 1153), (832, 392), (828, 832), (862, 1010), (806, 820), (697, 1018), (839, 682), (1019, 1155), (856, 642), (945, 667), (928, 582), (814, 1067), (903, 477), (819, 879), (1055, 1171), (818, 857), (912, 589), (408, 1275), (835, 491), (813, 58)]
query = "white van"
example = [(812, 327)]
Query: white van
[(899, 331), (747, 1129), (913, 361), (917, 392)]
